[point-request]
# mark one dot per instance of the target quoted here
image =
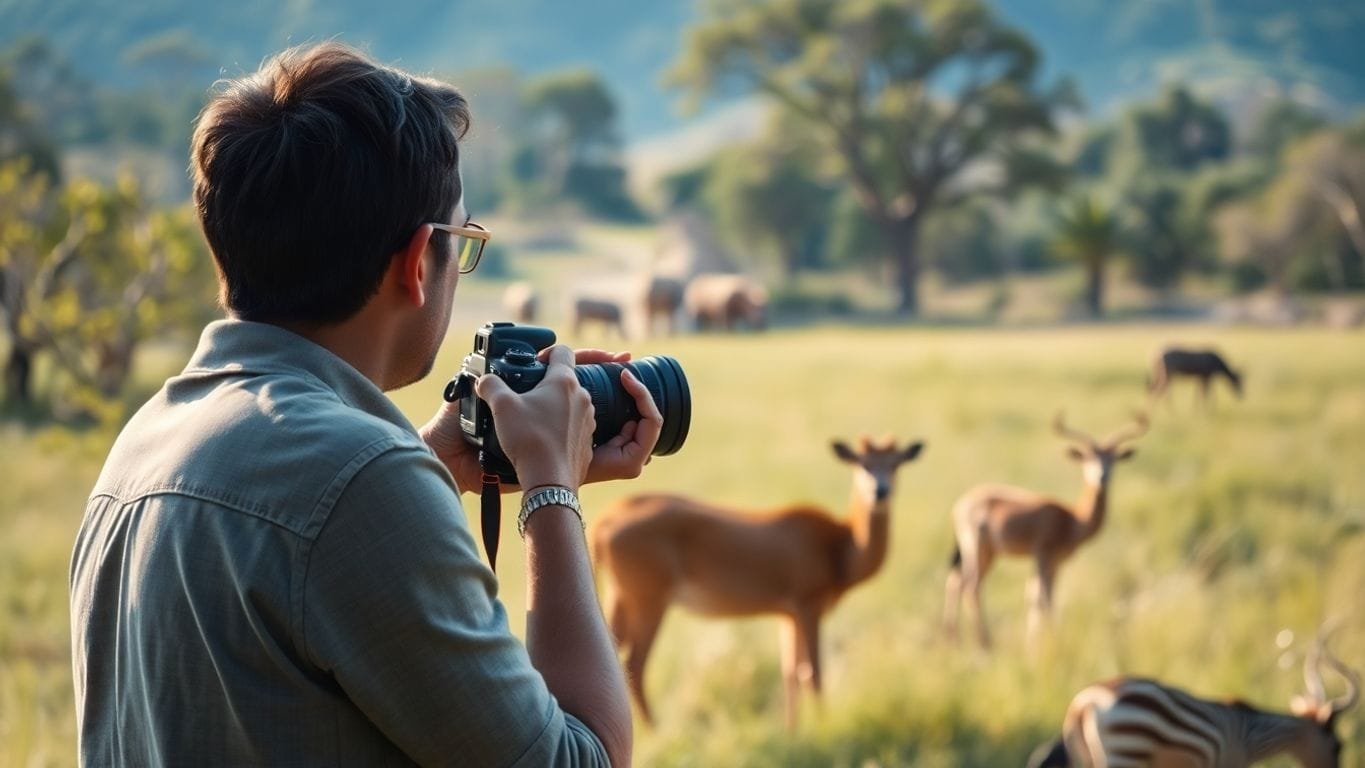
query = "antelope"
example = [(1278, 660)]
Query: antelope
[(1134, 722), (724, 301), (521, 302), (604, 311), (999, 520), (794, 561), (1203, 364), (661, 297)]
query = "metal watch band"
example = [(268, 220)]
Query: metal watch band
[(550, 495)]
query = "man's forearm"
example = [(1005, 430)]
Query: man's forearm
[(567, 639)]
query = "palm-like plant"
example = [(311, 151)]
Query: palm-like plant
[(1089, 233)]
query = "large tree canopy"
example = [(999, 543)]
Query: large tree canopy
[(906, 95)]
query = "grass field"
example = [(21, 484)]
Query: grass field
[(1227, 529)]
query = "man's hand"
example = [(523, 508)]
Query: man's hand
[(623, 456)]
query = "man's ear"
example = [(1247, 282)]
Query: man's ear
[(410, 266)]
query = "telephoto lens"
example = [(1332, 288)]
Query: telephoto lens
[(614, 406)]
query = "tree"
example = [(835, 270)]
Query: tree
[(906, 95), (1164, 160), (20, 135), (87, 273), (767, 197), (1089, 233), (571, 148), (1310, 214)]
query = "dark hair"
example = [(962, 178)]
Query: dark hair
[(311, 173)]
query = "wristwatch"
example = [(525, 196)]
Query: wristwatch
[(544, 496)]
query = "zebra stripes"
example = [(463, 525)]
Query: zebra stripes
[(1141, 723), (1134, 720)]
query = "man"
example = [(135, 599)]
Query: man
[(274, 568)]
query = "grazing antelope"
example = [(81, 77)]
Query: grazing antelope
[(993, 520), (661, 297), (794, 561), (725, 301), (1203, 364), (521, 302), (1139, 723), (604, 311)]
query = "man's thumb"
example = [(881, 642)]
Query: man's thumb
[(491, 388)]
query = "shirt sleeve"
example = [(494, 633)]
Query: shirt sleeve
[(399, 608)]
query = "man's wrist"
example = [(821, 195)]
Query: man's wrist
[(538, 498)]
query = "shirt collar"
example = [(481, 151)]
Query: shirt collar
[(242, 347)]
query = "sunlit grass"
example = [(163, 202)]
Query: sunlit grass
[(1226, 528)]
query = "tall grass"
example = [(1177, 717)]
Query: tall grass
[(1228, 527)]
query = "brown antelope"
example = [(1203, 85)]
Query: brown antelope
[(521, 302), (724, 301), (999, 520), (1138, 723), (794, 561), (1202, 364), (604, 311), (661, 297)]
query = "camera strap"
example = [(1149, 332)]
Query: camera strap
[(490, 511)]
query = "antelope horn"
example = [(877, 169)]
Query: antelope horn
[(1352, 695), (1059, 426), (1131, 431), (1312, 672)]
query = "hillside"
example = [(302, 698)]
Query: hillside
[(1115, 50)]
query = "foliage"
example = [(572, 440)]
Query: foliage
[(570, 147), (1304, 230), (20, 132), (903, 96), (767, 198), (964, 242), (1155, 155), (88, 273), (1088, 232), (73, 110)]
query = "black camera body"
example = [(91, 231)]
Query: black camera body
[(511, 352)]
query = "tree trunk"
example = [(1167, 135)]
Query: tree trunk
[(903, 239), (19, 374), (1094, 287)]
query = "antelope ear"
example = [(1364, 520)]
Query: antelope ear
[(1074, 453), (1125, 454), (912, 450), (844, 453)]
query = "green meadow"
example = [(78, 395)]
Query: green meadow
[(1232, 535)]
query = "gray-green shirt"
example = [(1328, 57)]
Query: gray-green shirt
[(275, 570)]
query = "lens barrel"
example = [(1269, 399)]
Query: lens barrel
[(614, 406)]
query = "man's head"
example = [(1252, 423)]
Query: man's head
[(310, 174)]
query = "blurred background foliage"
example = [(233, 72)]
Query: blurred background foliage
[(1219, 147)]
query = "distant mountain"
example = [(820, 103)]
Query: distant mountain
[(1115, 49)]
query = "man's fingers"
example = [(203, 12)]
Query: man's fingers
[(644, 401), (627, 434), (651, 422), (560, 355)]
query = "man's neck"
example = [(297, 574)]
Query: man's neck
[(357, 340)]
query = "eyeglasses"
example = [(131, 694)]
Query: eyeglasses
[(469, 242)]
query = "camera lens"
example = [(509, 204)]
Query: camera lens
[(664, 379)]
